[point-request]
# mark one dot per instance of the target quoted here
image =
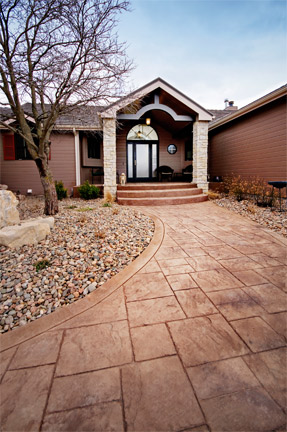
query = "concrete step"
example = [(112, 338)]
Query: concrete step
[(160, 201), (158, 193), (155, 186)]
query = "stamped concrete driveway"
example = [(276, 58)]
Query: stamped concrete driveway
[(192, 337)]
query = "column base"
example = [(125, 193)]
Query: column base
[(111, 189), (203, 186)]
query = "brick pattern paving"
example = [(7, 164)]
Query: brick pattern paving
[(195, 341)]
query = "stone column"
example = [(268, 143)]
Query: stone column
[(200, 154), (110, 159)]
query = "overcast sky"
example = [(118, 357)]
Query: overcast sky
[(208, 49)]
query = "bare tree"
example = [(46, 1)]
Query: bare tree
[(59, 55)]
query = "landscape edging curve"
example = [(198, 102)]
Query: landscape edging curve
[(61, 315)]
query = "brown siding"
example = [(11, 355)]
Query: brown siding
[(253, 145), (22, 175)]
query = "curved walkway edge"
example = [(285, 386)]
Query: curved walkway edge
[(45, 323)]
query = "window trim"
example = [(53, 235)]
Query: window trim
[(90, 162)]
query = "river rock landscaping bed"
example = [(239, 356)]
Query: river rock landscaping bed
[(265, 216), (88, 245)]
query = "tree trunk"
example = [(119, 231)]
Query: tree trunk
[(50, 193)]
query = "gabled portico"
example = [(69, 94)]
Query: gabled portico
[(176, 120)]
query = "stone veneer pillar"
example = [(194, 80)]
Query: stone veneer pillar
[(110, 159), (200, 146)]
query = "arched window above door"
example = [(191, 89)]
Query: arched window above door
[(142, 132)]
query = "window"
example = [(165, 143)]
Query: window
[(15, 148), (171, 149), (189, 150), (94, 146), (21, 150), (142, 132)]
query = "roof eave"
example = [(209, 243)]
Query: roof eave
[(258, 103)]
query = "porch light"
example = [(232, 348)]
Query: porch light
[(147, 121)]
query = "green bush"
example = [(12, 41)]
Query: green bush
[(61, 190), (88, 191)]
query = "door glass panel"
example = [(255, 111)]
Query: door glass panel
[(130, 160), (154, 159), (142, 157)]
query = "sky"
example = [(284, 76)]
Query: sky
[(211, 50)]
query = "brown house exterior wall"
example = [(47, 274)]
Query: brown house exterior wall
[(21, 175), (252, 145)]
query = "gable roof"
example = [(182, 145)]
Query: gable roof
[(258, 103), (111, 110)]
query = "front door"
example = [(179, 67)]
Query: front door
[(142, 157)]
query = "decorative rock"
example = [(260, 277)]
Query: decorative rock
[(49, 220), (92, 287), (27, 233), (77, 260), (9, 214)]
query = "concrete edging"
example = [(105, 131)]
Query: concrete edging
[(59, 316)]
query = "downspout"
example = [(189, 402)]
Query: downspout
[(77, 157)]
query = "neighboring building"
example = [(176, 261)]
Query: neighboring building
[(154, 126), (251, 141)]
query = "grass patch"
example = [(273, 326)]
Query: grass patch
[(70, 207), (84, 209), (107, 204), (42, 264)]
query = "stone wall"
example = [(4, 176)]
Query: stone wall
[(110, 168), (200, 146)]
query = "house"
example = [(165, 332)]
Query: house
[(251, 141), (154, 126)]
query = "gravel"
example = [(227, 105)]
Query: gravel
[(88, 245), (265, 216)]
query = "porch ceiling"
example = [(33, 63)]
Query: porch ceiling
[(164, 120)]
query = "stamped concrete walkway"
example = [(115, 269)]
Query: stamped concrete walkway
[(191, 337)]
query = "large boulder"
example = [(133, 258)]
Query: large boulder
[(28, 232), (9, 214)]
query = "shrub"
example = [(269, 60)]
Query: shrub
[(213, 195), (253, 187), (109, 197), (88, 191), (236, 186), (61, 190)]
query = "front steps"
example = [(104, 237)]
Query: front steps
[(155, 194)]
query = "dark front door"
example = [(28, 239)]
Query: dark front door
[(142, 158)]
